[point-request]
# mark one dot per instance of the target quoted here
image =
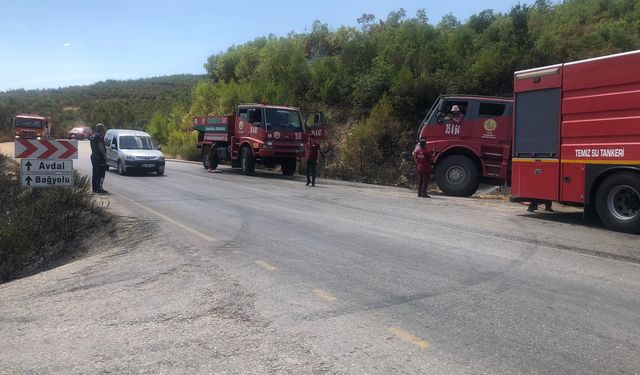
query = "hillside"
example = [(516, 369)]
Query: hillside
[(129, 103)]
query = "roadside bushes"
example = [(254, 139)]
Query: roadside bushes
[(370, 151), (36, 225)]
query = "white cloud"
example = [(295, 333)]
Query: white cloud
[(67, 44)]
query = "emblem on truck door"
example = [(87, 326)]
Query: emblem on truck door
[(490, 125), (276, 135)]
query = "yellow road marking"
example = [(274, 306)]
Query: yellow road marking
[(266, 266), (325, 295), (408, 337), (169, 220)]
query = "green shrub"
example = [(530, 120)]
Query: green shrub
[(183, 145)]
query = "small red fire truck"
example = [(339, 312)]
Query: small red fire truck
[(256, 134), (31, 126)]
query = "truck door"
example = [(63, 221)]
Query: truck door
[(315, 125)]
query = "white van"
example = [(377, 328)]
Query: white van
[(129, 150)]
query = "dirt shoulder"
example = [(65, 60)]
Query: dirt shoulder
[(141, 301)]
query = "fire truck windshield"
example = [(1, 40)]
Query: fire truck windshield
[(283, 119), (29, 123)]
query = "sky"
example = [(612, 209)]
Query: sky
[(59, 43)]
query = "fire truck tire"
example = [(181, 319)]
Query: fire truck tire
[(288, 167), (247, 162), (205, 156), (457, 175), (618, 202)]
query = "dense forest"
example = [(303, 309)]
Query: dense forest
[(374, 81)]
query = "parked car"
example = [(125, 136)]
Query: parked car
[(79, 132), (132, 150)]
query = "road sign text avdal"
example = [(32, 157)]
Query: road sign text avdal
[(34, 166)]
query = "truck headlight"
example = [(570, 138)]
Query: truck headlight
[(129, 157)]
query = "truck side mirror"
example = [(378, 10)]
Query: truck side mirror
[(440, 117), (113, 146)]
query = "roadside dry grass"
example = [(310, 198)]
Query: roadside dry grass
[(39, 226)]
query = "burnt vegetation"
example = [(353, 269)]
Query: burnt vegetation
[(40, 226)]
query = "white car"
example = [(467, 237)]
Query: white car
[(129, 150)]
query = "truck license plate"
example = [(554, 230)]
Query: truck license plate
[(148, 165)]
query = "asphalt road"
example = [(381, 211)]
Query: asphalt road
[(224, 273)]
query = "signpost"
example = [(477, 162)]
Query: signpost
[(49, 162)]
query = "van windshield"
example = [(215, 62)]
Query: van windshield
[(134, 142)]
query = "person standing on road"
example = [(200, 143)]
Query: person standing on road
[(423, 159), (98, 159), (312, 153)]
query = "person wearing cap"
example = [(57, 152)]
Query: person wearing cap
[(423, 159), (456, 115), (312, 153), (98, 159)]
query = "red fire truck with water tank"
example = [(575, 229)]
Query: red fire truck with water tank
[(576, 137), (256, 134)]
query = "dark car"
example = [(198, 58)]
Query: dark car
[(80, 132)]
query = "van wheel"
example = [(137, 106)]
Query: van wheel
[(121, 169), (457, 175), (248, 163), (288, 167), (618, 202)]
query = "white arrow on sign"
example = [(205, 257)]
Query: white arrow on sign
[(46, 149), (53, 166), (46, 180)]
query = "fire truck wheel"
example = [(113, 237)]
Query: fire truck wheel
[(205, 156), (618, 202), (457, 175), (288, 167), (248, 163)]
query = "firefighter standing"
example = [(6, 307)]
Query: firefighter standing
[(423, 159), (312, 153), (98, 159)]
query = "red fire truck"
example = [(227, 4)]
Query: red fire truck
[(256, 134), (471, 149), (31, 126), (576, 137)]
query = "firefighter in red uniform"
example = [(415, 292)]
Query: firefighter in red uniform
[(312, 154), (423, 159)]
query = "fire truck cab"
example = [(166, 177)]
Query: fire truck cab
[(472, 148), (576, 137), (34, 126)]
